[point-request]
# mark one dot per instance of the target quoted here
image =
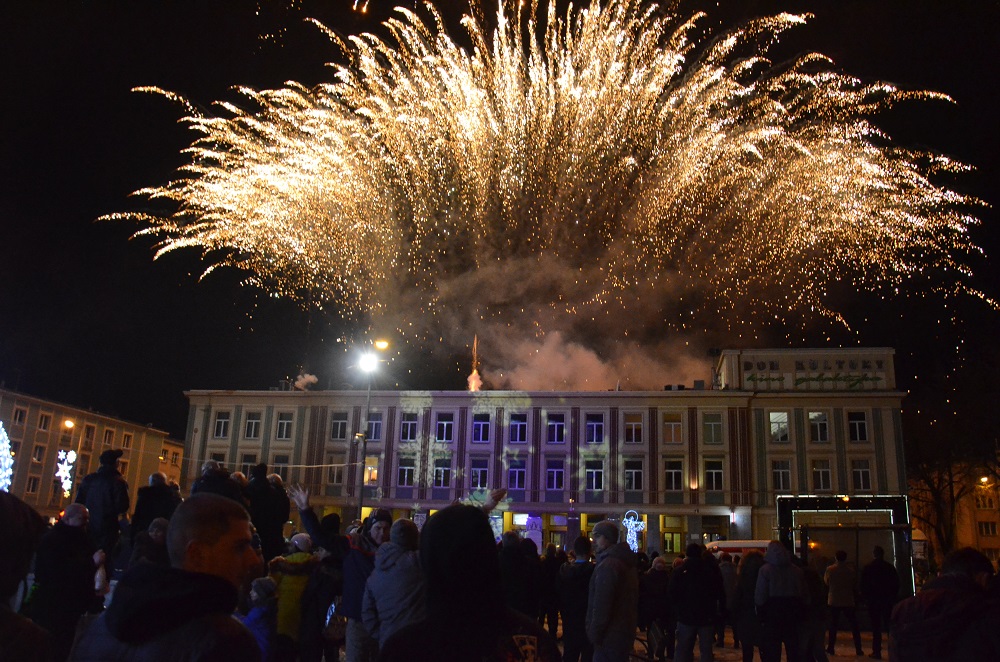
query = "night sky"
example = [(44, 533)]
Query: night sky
[(89, 319)]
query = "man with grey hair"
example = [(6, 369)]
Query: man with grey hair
[(613, 599), (155, 500), (184, 611)]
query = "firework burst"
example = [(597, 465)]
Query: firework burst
[(561, 169)]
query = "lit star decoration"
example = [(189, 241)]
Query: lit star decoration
[(6, 460), (633, 525), (598, 166), (63, 468)]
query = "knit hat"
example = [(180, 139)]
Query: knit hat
[(404, 533), (111, 457), (608, 529)]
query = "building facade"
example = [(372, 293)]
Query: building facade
[(692, 463), (44, 435)]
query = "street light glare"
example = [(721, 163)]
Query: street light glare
[(368, 362), (381, 344)]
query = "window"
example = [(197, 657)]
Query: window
[(633, 428), (992, 553), (711, 427), (38, 454), (32, 486), (445, 427), (407, 471), (673, 475), (479, 474), (985, 500), (89, 434), (247, 461), (672, 428), (442, 473), (123, 467), (779, 427), (221, 425), (126, 440), (19, 416), (515, 475), (284, 431), (594, 474), (857, 426), (595, 428), (279, 465), (218, 457), (822, 480), (518, 428), (109, 437), (335, 475), (987, 528), (370, 476), (781, 475), (862, 475), (408, 428), (164, 455), (713, 475), (374, 426), (554, 475), (480, 428), (338, 426), (44, 421), (556, 424), (175, 459), (252, 430), (819, 427), (15, 448), (633, 474)]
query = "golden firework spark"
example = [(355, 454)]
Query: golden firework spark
[(610, 162)]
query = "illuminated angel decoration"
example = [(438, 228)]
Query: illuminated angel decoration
[(633, 526)]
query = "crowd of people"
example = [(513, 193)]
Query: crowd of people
[(213, 577)]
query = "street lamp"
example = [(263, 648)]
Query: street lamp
[(368, 364)]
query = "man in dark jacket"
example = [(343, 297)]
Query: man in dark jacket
[(155, 500), (880, 588), (395, 594), (573, 585), (266, 512), (613, 600), (183, 612), (780, 596), (358, 567), (64, 578), (952, 618), (520, 575), (105, 494), (20, 639), (697, 593), (215, 480)]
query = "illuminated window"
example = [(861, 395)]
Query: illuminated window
[(445, 427), (672, 428), (633, 475), (779, 426), (673, 475), (221, 425), (515, 475), (375, 426), (861, 475), (554, 475), (44, 421), (822, 477), (338, 426), (556, 424), (480, 428), (518, 428), (595, 428), (479, 474), (442, 473), (857, 426), (713, 475), (371, 470), (819, 427), (284, 430), (408, 428), (987, 528), (126, 440), (633, 428), (711, 427), (594, 472), (19, 416), (252, 429), (781, 475), (405, 476)]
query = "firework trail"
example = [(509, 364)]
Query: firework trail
[(588, 180)]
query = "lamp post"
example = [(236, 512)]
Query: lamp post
[(368, 363)]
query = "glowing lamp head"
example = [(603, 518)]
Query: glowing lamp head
[(68, 424), (368, 362), (381, 345)]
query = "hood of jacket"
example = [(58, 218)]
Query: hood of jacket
[(390, 554), (777, 554), (620, 551), (151, 600)]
